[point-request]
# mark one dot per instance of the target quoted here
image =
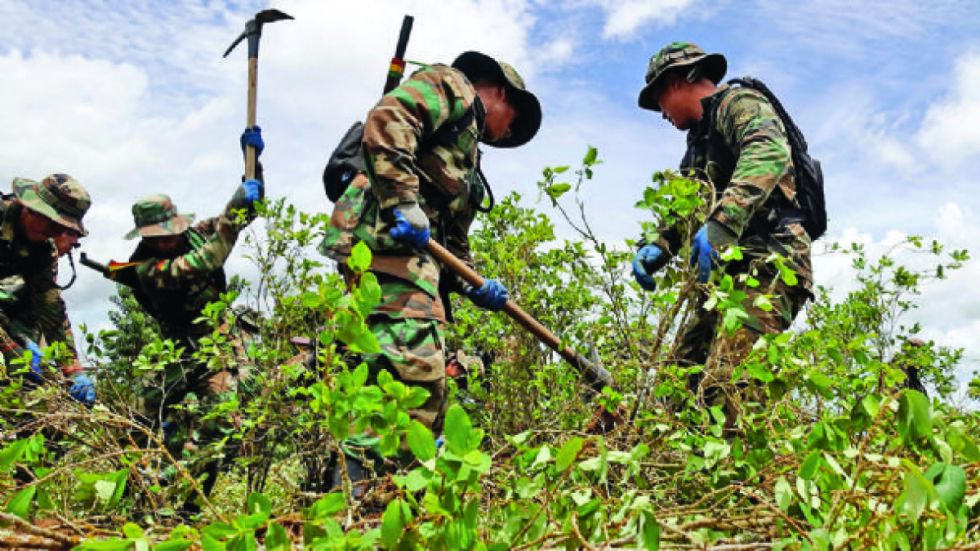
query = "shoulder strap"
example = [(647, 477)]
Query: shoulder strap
[(755, 84)]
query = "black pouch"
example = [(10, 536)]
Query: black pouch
[(345, 162)]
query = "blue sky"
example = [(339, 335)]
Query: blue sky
[(133, 98)]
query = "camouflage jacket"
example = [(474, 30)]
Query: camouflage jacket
[(175, 290), (408, 160), (740, 146), (36, 309)]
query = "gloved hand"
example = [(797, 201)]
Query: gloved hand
[(82, 389), (648, 260), (36, 374), (253, 190), (491, 296), (411, 225), (707, 242), (253, 137)]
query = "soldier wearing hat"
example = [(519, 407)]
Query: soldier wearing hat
[(40, 222), (423, 180), (176, 270), (737, 143)]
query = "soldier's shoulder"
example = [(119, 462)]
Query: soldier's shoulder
[(741, 99), (446, 80)]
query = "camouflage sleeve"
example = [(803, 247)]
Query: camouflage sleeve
[(50, 312), (397, 125), (171, 273), (752, 128), (206, 226)]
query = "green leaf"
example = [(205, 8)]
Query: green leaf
[(951, 487), (219, 530), (457, 428), (568, 453), (114, 544), (784, 494), (327, 506), (420, 441), (132, 531), (243, 542), (648, 531), (914, 416), (393, 521), (590, 156), (360, 257), (808, 469), (104, 490), (557, 190), (276, 538), (11, 454), (20, 505), (416, 397), (916, 494), (210, 543), (760, 371), (179, 544), (259, 504)]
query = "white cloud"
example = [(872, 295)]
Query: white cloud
[(625, 17), (950, 132), (133, 100)]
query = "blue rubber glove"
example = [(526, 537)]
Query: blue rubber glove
[(707, 242), (411, 225), (253, 137), (647, 261), (253, 190), (36, 374), (82, 389), (491, 296)]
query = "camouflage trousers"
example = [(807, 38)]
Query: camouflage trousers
[(704, 342), (413, 351)]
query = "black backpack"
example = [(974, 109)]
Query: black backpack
[(347, 160), (809, 175)]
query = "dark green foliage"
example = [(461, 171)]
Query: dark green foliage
[(840, 456)]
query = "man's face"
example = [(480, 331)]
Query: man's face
[(500, 114), (38, 228), (679, 102), (163, 245)]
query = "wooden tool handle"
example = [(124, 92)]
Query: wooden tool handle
[(595, 375), (250, 156)]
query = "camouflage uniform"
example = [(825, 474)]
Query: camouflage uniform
[(420, 145), (740, 147), (32, 307), (174, 290)]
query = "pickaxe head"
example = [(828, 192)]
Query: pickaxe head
[(253, 30)]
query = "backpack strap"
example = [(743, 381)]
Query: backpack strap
[(797, 138)]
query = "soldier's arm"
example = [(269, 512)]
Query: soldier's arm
[(170, 273), (50, 312), (751, 126), (396, 126), (173, 272)]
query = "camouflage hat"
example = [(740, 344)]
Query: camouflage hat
[(477, 66), (156, 216), (58, 197), (676, 55)]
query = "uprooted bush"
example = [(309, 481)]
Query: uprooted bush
[(842, 455)]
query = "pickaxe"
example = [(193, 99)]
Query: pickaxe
[(253, 31)]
